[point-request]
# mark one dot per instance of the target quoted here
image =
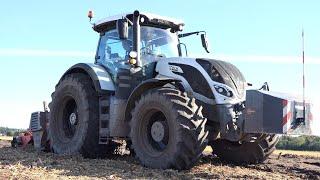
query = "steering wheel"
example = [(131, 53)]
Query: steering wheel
[(145, 50)]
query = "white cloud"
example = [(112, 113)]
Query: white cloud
[(13, 52), (263, 58), (7, 52)]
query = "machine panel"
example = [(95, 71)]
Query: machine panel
[(276, 113)]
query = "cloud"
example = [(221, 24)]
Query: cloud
[(7, 52), (263, 58), (12, 52)]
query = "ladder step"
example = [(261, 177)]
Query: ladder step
[(104, 124), (103, 140), (104, 103), (104, 117), (103, 132)]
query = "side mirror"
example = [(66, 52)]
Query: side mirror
[(122, 27), (205, 42)]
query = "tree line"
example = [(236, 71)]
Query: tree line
[(305, 143), (5, 131)]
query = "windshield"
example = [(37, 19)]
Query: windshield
[(158, 42)]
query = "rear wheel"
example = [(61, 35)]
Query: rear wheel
[(74, 121), (168, 129), (255, 151)]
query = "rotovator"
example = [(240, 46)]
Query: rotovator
[(167, 107)]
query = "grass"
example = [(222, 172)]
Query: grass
[(6, 138), (316, 154)]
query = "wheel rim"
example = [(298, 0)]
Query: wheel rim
[(70, 117), (156, 131)]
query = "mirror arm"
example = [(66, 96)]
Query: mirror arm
[(191, 33), (185, 48)]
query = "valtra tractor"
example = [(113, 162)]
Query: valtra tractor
[(166, 106)]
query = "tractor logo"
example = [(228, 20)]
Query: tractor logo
[(175, 69)]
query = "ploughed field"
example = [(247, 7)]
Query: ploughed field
[(18, 163)]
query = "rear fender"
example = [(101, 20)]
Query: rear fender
[(101, 79)]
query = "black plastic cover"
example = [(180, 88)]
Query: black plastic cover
[(226, 73)]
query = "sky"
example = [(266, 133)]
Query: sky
[(40, 40)]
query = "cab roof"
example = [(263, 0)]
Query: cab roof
[(154, 20)]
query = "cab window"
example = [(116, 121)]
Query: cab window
[(114, 52)]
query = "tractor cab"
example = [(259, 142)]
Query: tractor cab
[(137, 40)]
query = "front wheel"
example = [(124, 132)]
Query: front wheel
[(168, 129), (255, 151)]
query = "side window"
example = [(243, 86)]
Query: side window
[(113, 52)]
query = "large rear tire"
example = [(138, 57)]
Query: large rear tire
[(252, 152), (74, 121), (168, 129)]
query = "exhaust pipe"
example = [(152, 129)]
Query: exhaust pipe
[(136, 36)]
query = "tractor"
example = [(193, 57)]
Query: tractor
[(168, 107)]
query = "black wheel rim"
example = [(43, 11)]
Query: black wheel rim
[(70, 117), (156, 131)]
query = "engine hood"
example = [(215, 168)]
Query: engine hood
[(226, 73)]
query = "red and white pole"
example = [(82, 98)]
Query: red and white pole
[(303, 78)]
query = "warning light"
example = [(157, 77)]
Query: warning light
[(90, 14)]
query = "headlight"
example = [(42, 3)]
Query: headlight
[(223, 91)]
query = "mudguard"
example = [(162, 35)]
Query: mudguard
[(100, 77)]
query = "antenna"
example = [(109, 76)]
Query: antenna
[(303, 77)]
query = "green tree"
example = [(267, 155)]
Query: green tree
[(10, 133), (310, 143)]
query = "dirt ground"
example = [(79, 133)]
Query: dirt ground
[(18, 163)]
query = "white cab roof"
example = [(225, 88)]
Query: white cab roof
[(149, 15)]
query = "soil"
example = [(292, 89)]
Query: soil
[(19, 163)]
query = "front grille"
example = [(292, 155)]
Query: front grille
[(35, 122), (211, 70)]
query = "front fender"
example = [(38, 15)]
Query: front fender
[(143, 87)]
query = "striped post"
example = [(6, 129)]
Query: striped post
[(287, 116)]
